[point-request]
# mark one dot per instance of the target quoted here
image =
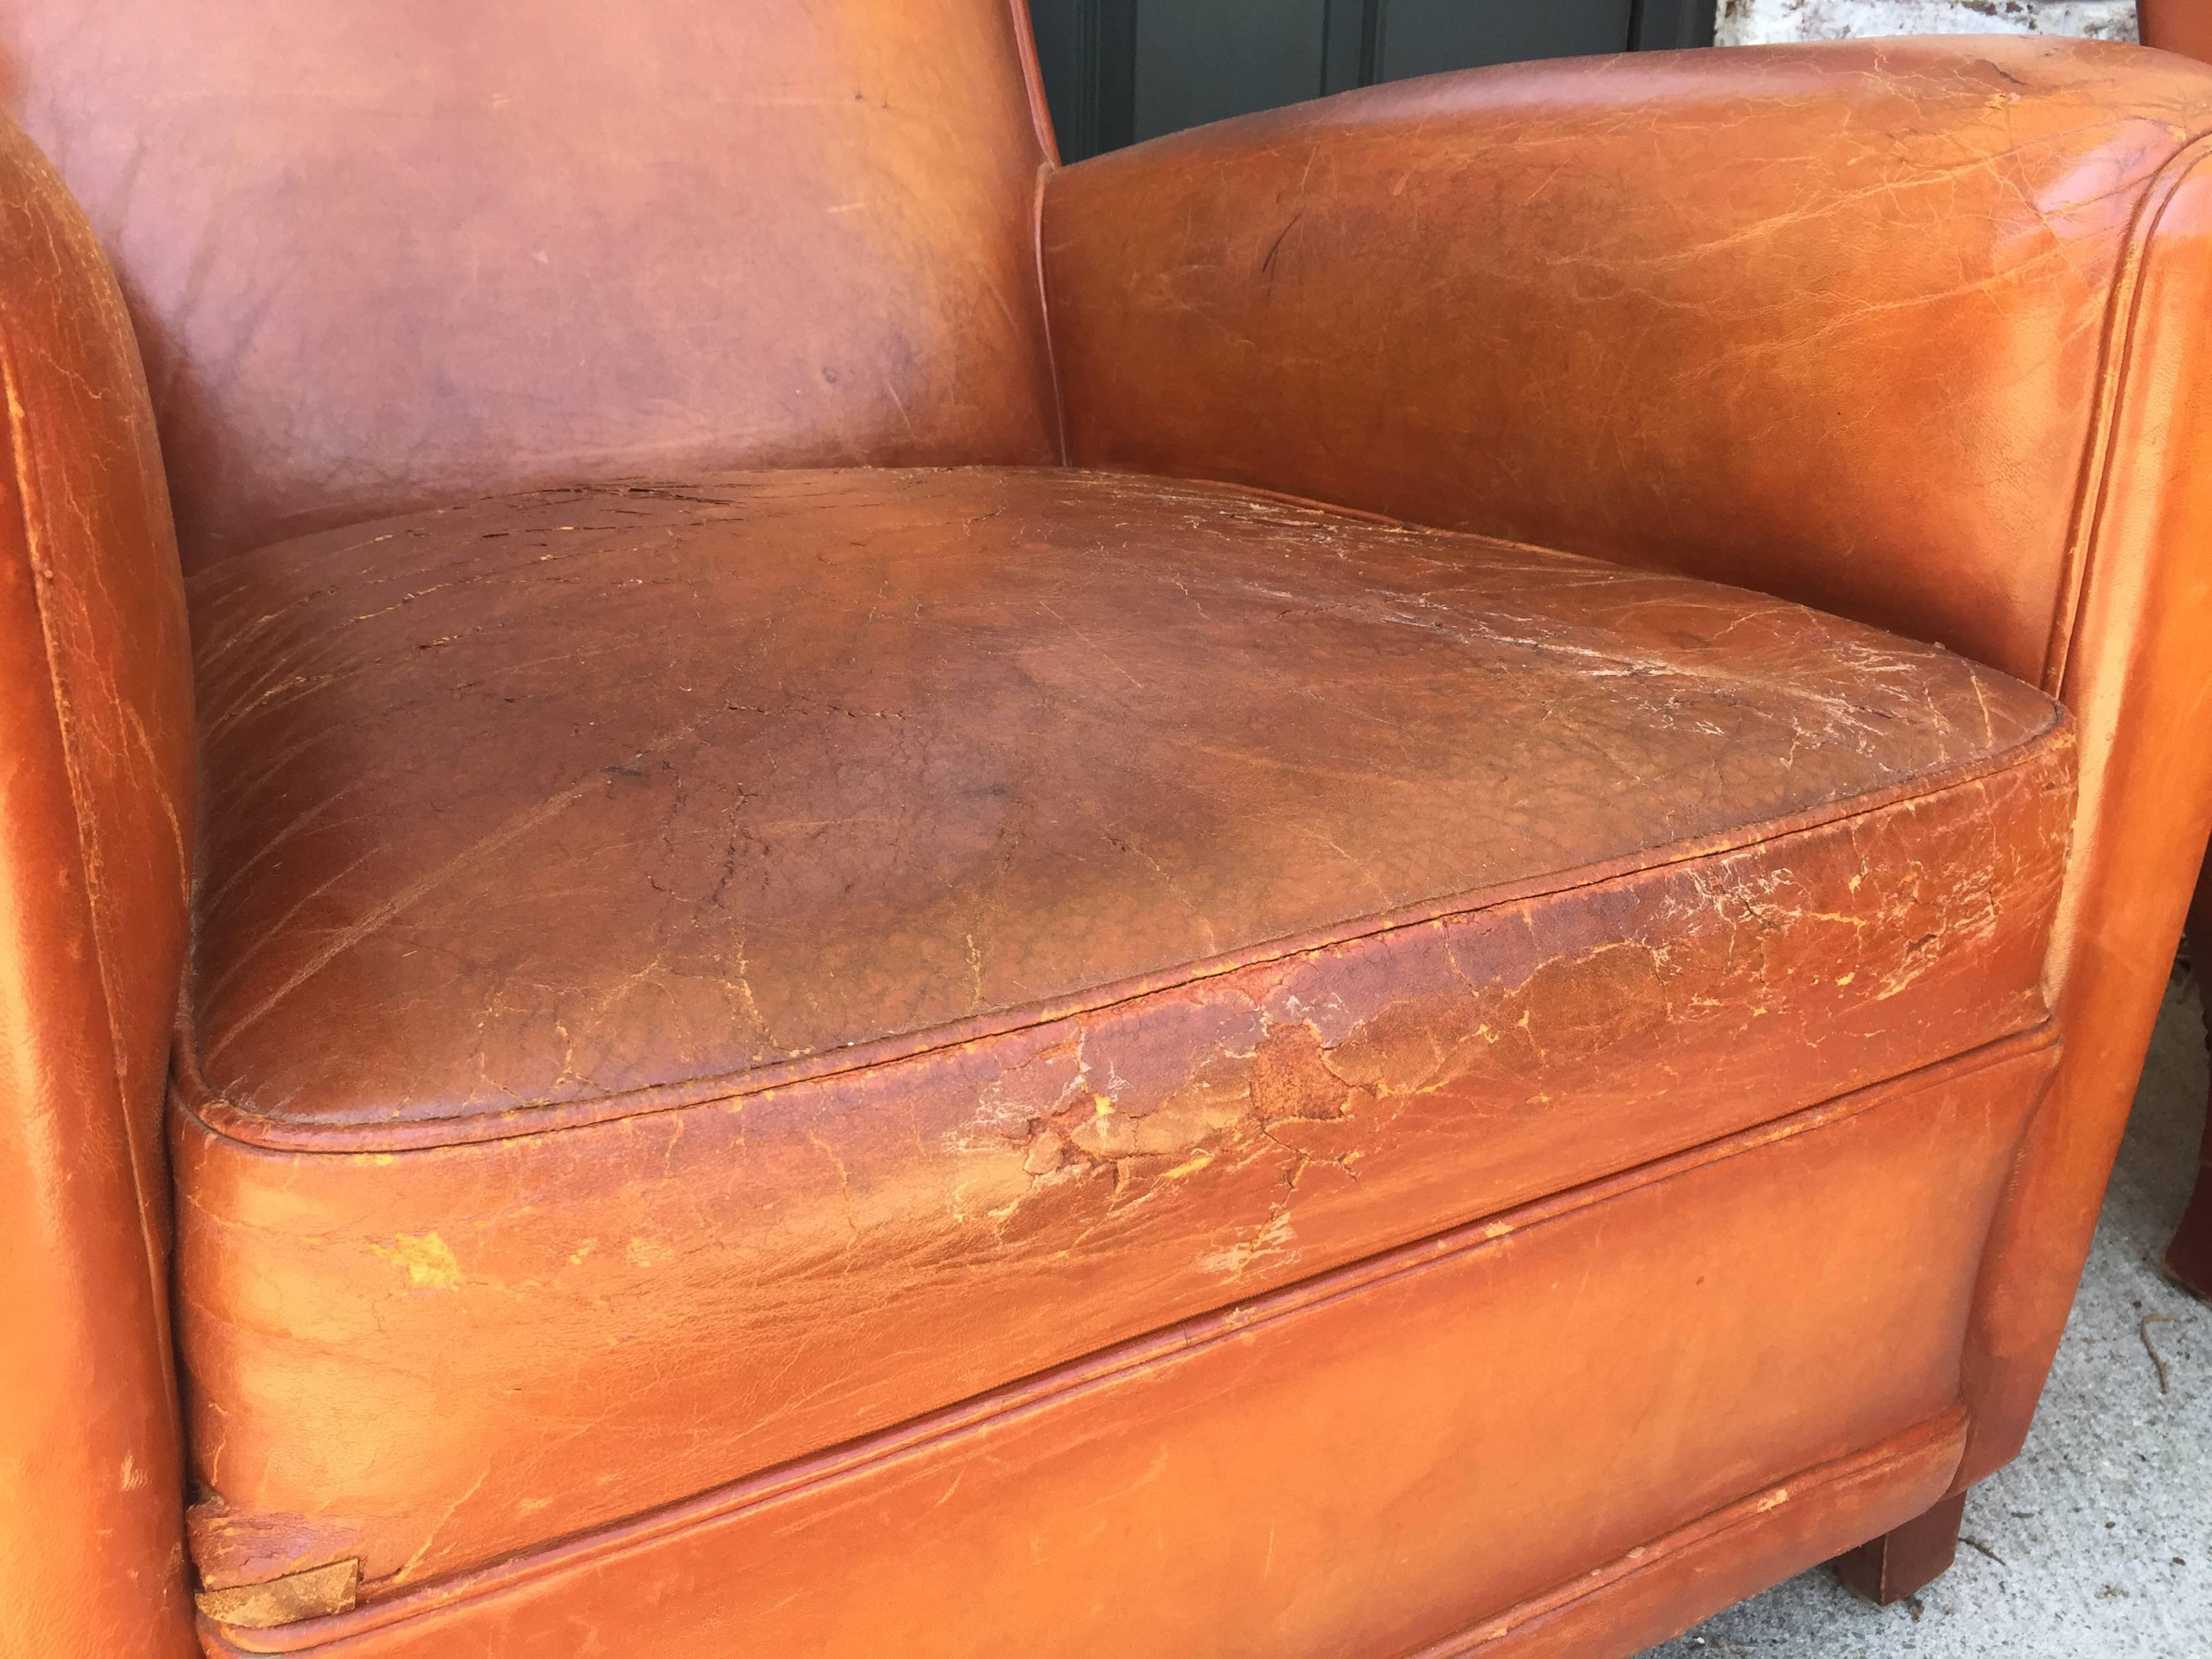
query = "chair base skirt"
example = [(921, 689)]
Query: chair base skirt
[(1640, 1600), (1584, 1422)]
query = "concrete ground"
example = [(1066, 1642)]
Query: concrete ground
[(1756, 22), (2097, 1543)]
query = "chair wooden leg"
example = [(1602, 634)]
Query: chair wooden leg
[(1906, 1559), (2189, 1258)]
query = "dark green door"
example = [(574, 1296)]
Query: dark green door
[(1119, 70)]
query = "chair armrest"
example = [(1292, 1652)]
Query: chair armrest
[(1916, 331), (1825, 321), (95, 828)]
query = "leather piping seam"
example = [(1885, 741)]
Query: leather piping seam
[(226, 1119), (1053, 1388), (1049, 163), (2122, 316), (31, 519), (1017, 12), (1044, 311)]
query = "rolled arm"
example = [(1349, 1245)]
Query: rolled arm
[(1919, 332), (1826, 321), (95, 828)]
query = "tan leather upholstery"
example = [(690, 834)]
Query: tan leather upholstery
[(1432, 1408), (1042, 905), (1125, 1063), (410, 252), (1912, 331), (1668, 372), (95, 833)]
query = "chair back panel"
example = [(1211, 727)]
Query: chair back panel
[(385, 256)]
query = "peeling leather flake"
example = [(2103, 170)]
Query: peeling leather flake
[(309, 1595)]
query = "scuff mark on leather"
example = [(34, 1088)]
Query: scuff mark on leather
[(234, 1550)]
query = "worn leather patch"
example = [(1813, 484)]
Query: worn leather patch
[(309, 1595)]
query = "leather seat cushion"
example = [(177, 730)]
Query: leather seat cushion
[(687, 974)]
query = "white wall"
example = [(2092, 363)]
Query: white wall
[(1751, 22)]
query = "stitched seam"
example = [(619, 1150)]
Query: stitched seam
[(1049, 163), (1044, 309), (1033, 81), (2123, 315), (1193, 1336), (294, 1136)]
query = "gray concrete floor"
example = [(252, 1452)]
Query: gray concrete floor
[(2098, 1541)]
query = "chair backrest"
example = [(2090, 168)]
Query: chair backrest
[(387, 255)]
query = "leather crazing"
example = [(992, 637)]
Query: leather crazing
[(96, 803), (808, 912), (1855, 363), (640, 1041)]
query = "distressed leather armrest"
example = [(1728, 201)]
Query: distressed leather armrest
[(1916, 331), (95, 830), (1826, 320)]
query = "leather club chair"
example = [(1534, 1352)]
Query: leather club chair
[(2185, 26), (1383, 880)]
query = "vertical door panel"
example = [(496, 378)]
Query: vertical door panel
[(1204, 60), (1422, 37), (1117, 70)]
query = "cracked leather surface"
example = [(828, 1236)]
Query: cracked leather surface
[(1914, 333), (1141, 1473), (844, 762), (1910, 331), (803, 913), (1823, 321), (95, 833)]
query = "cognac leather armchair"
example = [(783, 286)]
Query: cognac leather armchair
[(1382, 880)]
